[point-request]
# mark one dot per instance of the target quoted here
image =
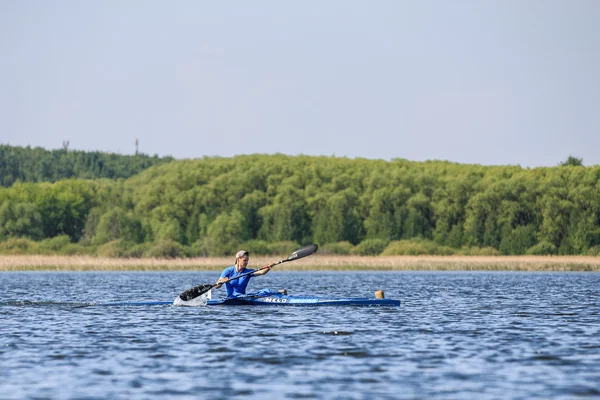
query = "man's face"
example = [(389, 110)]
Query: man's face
[(242, 262)]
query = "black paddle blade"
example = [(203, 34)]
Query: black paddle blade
[(194, 292), (303, 252)]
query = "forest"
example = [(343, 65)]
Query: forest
[(69, 202)]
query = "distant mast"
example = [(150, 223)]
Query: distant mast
[(137, 142)]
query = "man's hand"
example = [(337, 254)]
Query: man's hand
[(220, 282), (264, 270)]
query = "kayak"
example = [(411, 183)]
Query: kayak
[(273, 300), (285, 300)]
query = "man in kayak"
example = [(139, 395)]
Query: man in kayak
[(237, 287)]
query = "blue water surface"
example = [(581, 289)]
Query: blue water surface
[(457, 335)]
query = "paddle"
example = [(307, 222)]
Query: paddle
[(201, 289)]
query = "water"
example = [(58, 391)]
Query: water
[(457, 335)]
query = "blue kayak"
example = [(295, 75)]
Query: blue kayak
[(272, 300), (285, 300)]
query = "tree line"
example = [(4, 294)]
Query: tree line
[(273, 203), (25, 164)]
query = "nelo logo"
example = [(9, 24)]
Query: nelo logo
[(274, 300)]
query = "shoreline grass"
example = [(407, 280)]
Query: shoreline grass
[(314, 263)]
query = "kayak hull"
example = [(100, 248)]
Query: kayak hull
[(271, 300), (285, 300)]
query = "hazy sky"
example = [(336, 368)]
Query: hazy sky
[(480, 81)]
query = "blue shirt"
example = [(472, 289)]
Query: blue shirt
[(237, 287)]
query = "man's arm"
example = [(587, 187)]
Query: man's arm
[(264, 271)]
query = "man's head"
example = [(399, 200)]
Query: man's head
[(241, 253), (241, 259)]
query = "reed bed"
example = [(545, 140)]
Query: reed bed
[(316, 262)]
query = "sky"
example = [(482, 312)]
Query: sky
[(505, 82)]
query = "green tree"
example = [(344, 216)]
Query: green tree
[(64, 207), (518, 240), (225, 234), (117, 224), (287, 218), (20, 220), (338, 220), (380, 222), (572, 162)]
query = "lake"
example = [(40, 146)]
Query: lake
[(457, 335)]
